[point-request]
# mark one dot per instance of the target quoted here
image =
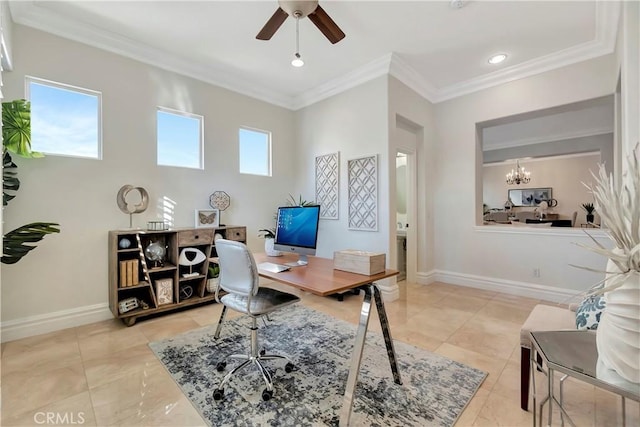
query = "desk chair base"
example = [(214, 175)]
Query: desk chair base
[(254, 358)]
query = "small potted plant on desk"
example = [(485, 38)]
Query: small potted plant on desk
[(590, 209), (269, 235)]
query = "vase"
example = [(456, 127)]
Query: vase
[(618, 333), (590, 218), (268, 247), (212, 284)]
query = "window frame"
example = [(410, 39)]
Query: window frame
[(190, 115), (71, 88), (269, 150)]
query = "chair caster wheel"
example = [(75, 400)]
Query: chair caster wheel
[(266, 394), (288, 368), (220, 366), (263, 352), (218, 394)]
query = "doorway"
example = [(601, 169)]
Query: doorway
[(407, 136)]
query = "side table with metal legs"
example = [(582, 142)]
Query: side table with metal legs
[(574, 354)]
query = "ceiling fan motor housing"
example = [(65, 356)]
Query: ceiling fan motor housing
[(299, 8)]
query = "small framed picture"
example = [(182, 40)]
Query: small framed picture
[(164, 291), (207, 218)]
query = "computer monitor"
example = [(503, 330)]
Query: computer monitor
[(297, 231)]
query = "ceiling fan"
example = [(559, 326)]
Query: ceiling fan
[(298, 10)]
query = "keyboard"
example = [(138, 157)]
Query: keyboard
[(272, 268)]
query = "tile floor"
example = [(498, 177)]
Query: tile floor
[(104, 374)]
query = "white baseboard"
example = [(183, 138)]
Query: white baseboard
[(530, 290), (389, 290), (44, 323)]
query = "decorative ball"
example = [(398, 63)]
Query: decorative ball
[(155, 252), (124, 243)]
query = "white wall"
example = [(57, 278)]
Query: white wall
[(563, 174), (408, 111), (506, 259), (353, 123), (630, 76), (67, 273)]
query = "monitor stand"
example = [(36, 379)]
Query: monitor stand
[(302, 260)]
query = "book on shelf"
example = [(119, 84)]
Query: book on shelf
[(136, 272), (123, 274)]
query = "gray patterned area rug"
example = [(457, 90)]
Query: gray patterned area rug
[(434, 392)]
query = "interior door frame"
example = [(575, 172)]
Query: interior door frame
[(410, 150)]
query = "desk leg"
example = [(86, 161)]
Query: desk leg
[(356, 358), (219, 327), (386, 332), (550, 391)]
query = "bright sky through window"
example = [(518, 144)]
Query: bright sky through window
[(179, 139), (255, 152), (64, 120)]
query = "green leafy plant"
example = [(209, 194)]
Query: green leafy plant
[(270, 233), (589, 208), (16, 128), (214, 271), (16, 138), (267, 233), (300, 202)]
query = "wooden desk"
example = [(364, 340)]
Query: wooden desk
[(319, 278)]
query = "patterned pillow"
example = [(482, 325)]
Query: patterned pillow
[(589, 312)]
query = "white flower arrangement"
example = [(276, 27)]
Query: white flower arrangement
[(619, 208)]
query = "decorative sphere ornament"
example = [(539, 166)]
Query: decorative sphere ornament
[(124, 243), (155, 252)]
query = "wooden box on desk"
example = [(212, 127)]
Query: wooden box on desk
[(361, 262)]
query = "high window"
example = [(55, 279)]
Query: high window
[(180, 138), (65, 120), (255, 151)]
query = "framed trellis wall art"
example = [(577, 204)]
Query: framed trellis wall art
[(328, 185), (363, 193)]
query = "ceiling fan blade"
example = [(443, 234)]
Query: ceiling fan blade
[(326, 25), (272, 25)]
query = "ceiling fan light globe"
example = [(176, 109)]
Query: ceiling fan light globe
[(297, 61), (300, 8)]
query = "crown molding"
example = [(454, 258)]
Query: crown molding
[(607, 18), (540, 159), (551, 138), (410, 77), (29, 14), (369, 71)]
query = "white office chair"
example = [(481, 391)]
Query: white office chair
[(239, 278)]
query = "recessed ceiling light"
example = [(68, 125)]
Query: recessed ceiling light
[(496, 59)]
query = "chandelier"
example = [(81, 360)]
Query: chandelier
[(518, 175)]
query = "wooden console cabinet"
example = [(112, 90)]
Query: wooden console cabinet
[(157, 286)]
